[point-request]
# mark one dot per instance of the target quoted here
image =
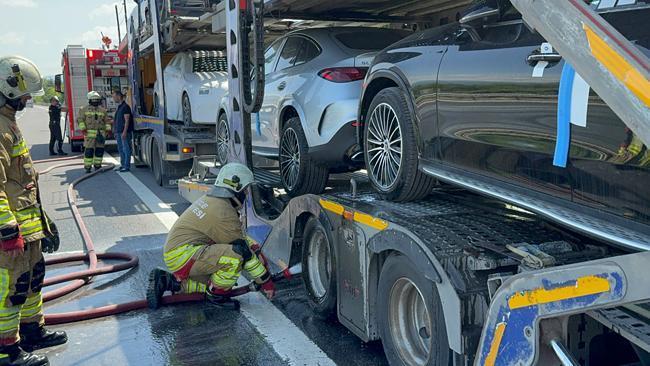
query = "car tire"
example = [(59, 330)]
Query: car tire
[(187, 111), (409, 313), (298, 173), (319, 269), (223, 139), (391, 152)]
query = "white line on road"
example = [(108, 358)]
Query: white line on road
[(289, 342)]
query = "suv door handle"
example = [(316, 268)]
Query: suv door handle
[(282, 85), (548, 57)]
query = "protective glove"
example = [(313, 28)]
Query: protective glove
[(50, 243), (268, 288)]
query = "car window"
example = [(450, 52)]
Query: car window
[(308, 51), (289, 53), (209, 63), (270, 55), (370, 39)]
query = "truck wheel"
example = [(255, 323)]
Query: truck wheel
[(75, 147), (411, 321), (319, 269), (223, 139), (298, 173), (156, 164), (187, 111), (390, 147)]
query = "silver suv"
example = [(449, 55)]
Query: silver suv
[(309, 115)]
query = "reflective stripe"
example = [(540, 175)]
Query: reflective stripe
[(7, 219), (33, 306), (19, 149), (108, 127), (176, 258), (255, 268), (91, 133), (226, 277), (9, 316), (82, 125), (4, 287), (29, 221), (192, 286), (98, 160), (93, 114)]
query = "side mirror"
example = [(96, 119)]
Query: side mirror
[(58, 83), (475, 20)]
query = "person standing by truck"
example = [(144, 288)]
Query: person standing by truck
[(93, 122), (55, 125), (25, 231), (123, 130)]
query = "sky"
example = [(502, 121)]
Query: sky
[(40, 29)]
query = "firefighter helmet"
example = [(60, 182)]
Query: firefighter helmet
[(55, 98), (19, 77), (93, 95), (235, 177)]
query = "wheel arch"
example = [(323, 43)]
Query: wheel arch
[(394, 242), (379, 81)]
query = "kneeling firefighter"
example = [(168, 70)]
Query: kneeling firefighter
[(206, 249), (94, 123), (25, 230)]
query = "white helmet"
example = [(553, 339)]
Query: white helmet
[(93, 95), (19, 77), (235, 177)]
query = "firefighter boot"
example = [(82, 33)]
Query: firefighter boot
[(160, 281), (34, 336), (13, 355), (221, 301)]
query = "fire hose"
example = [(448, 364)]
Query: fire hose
[(78, 279)]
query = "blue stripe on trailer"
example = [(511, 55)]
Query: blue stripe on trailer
[(563, 139)]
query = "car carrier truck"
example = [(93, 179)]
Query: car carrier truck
[(471, 274)]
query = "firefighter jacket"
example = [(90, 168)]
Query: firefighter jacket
[(96, 124), (19, 207), (210, 220)]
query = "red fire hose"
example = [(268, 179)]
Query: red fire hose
[(80, 278)]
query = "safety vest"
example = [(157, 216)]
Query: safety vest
[(93, 120), (18, 194)]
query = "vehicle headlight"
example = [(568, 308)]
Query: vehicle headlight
[(204, 91)]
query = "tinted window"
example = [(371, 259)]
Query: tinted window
[(289, 53), (370, 39), (308, 51), (270, 56), (211, 63)]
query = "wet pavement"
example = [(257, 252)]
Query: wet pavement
[(191, 334)]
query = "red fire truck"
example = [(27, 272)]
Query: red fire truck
[(86, 69)]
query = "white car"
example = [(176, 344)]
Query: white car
[(194, 82)]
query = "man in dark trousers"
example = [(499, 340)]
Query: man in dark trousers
[(123, 131), (55, 125)]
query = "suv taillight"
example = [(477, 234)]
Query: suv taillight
[(343, 74)]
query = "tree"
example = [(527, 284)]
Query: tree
[(48, 88)]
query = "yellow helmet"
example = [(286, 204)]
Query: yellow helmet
[(19, 77)]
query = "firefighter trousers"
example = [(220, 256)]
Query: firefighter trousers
[(21, 281), (94, 149), (216, 266)]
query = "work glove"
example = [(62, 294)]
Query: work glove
[(51, 242)]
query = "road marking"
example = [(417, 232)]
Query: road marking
[(289, 342)]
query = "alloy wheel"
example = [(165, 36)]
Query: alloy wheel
[(290, 158), (223, 139), (384, 146)]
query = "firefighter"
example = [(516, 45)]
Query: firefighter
[(94, 123), (206, 249), (25, 231)]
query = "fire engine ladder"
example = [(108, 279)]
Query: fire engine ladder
[(514, 333)]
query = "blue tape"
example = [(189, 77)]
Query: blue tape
[(258, 124), (563, 139)]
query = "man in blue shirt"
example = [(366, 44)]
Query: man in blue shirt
[(123, 130)]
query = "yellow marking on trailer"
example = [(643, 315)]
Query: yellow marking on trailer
[(491, 357), (195, 186), (370, 221), (332, 206), (618, 66), (589, 285), (149, 120)]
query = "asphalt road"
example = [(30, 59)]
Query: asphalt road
[(130, 213)]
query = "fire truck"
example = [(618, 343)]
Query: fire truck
[(86, 69)]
